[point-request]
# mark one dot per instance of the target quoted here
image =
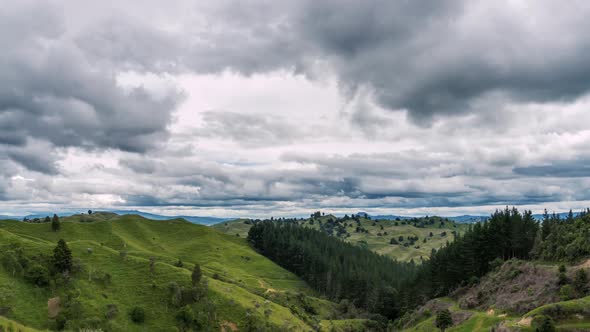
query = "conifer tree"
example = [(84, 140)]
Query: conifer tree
[(55, 224), (62, 257), (196, 275), (444, 320)]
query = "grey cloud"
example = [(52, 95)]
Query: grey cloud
[(222, 35), (567, 169), (440, 57), (431, 58), (249, 129), (39, 161), (50, 91)]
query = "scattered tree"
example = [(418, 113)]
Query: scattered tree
[(444, 320), (62, 257), (196, 275), (55, 223), (580, 282), (137, 315)]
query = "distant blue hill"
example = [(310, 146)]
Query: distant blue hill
[(459, 219), (561, 215), (194, 219)]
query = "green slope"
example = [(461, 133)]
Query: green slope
[(376, 239), (239, 279)]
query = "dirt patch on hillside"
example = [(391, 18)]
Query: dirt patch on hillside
[(53, 307), (514, 287), (525, 321), (262, 284), (584, 265), (228, 327)]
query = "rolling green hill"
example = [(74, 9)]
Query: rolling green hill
[(376, 234), (242, 287)]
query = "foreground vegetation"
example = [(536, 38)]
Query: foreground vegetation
[(128, 273)]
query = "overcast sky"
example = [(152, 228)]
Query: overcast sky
[(259, 108)]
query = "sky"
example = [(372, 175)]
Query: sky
[(279, 108)]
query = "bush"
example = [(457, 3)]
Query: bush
[(37, 275), (185, 317), (443, 320), (543, 323), (562, 279), (496, 263), (566, 292), (60, 322), (137, 315), (580, 282), (111, 311)]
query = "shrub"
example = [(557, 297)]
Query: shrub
[(196, 275), (179, 263), (580, 282), (543, 323), (562, 279), (111, 311), (37, 275), (496, 263), (185, 317), (137, 315), (60, 322), (443, 320), (566, 292)]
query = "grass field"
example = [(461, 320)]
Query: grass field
[(239, 279), (374, 241)]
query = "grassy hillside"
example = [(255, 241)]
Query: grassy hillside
[(241, 283), (378, 233), (515, 296)]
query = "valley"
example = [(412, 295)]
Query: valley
[(413, 238)]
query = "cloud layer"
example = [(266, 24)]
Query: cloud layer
[(281, 107)]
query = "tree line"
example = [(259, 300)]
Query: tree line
[(333, 267)]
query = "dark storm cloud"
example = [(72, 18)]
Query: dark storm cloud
[(566, 169), (50, 91), (431, 58), (440, 57)]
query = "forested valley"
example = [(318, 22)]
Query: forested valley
[(389, 289)]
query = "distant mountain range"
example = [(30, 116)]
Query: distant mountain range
[(463, 218), (194, 219), (459, 219), (204, 220)]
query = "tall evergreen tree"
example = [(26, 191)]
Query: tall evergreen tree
[(55, 223), (196, 275), (580, 282), (62, 257), (443, 320)]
